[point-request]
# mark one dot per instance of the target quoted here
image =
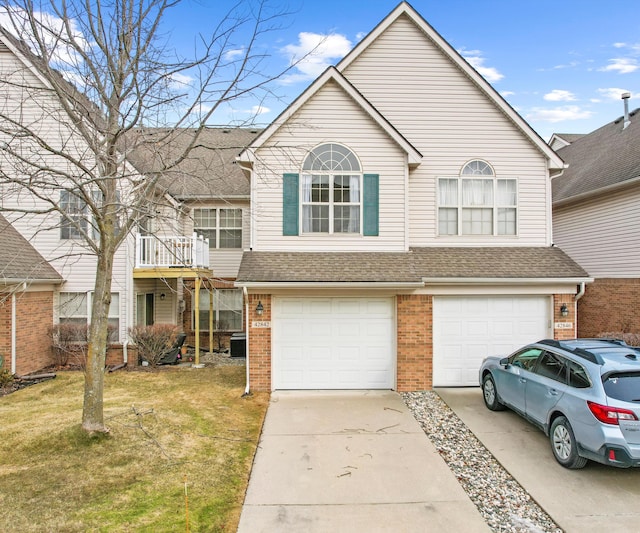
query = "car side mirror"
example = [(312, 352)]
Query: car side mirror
[(504, 362)]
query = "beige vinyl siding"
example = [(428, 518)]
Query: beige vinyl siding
[(330, 116), (602, 234), (450, 121), (26, 101)]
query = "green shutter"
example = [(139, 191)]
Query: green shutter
[(290, 202), (370, 204)]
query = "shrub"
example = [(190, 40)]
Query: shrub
[(6, 377), (632, 339), (69, 343), (153, 341)]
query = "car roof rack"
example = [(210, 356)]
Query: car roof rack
[(580, 352)]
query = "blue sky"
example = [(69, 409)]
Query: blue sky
[(561, 64)]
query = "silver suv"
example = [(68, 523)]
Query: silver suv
[(583, 393)]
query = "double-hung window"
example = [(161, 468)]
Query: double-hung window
[(75, 308), (331, 191), (73, 222), (223, 227), (477, 203), (227, 310)]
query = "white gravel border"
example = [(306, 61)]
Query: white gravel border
[(503, 503)]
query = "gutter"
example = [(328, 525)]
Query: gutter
[(329, 285), (502, 281), (246, 347)]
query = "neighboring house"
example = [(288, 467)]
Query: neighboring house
[(213, 198), (401, 225), (27, 287), (596, 220)]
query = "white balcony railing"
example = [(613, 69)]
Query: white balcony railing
[(163, 252)]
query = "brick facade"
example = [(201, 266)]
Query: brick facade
[(34, 318), (564, 333), (260, 344), (415, 342), (609, 305)]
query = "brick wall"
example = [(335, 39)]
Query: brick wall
[(609, 305), (259, 344), (34, 317), (558, 301), (415, 342)]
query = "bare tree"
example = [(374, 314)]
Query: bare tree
[(97, 71)]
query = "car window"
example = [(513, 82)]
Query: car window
[(552, 366), (526, 358), (623, 386), (578, 376)]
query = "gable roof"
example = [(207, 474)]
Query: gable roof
[(19, 261), (208, 171), (419, 266), (331, 74), (405, 9), (560, 140), (606, 158)]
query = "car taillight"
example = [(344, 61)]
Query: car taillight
[(610, 415)]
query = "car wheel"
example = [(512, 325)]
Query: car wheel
[(490, 394), (563, 444)]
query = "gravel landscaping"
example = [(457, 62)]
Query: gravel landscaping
[(503, 503)]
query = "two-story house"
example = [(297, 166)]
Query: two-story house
[(401, 225), (27, 287), (596, 219)]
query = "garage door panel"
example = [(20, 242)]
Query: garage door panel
[(467, 329), (344, 343)]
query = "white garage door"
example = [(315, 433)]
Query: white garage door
[(333, 343), (467, 329)]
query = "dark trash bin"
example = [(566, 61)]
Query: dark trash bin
[(238, 344)]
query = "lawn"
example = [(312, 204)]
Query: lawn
[(171, 430)]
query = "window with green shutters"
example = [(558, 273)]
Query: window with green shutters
[(331, 195)]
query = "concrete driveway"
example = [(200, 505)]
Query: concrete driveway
[(595, 499), (349, 462)]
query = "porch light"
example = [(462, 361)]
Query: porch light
[(259, 308), (564, 310), (163, 296)]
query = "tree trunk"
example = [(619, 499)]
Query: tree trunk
[(92, 411)]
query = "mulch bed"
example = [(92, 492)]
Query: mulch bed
[(18, 384)]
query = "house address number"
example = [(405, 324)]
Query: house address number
[(261, 324), (563, 325)]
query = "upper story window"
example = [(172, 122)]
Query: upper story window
[(223, 227), (331, 190), (73, 223), (477, 202)]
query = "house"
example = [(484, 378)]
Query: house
[(401, 225), (596, 220), (27, 287), (213, 199)]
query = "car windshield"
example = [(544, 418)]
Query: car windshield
[(623, 386)]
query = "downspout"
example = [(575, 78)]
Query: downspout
[(580, 292), (125, 352), (13, 333), (246, 348)]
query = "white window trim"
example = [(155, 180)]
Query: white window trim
[(217, 229), (459, 207)]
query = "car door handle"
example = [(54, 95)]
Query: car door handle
[(553, 392), (523, 380)]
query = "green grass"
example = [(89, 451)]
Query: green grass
[(166, 427)]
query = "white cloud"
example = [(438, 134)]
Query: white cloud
[(558, 114), (234, 54), (622, 65), (258, 110), (314, 53), (612, 93), (634, 47), (559, 95), (506, 94), (180, 81), (475, 59)]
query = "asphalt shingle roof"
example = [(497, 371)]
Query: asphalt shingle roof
[(607, 156), (209, 171), (409, 267), (19, 260)]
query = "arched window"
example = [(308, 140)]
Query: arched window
[(477, 202), (331, 190)]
